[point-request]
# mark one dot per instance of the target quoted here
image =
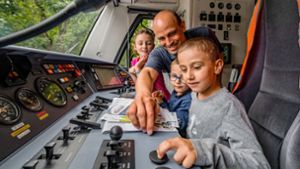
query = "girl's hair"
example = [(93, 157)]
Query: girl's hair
[(146, 31), (202, 44), (141, 31)]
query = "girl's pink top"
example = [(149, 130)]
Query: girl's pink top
[(159, 83)]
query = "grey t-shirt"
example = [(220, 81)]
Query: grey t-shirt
[(222, 134)]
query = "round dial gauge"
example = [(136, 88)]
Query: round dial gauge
[(29, 99), (9, 111), (51, 92)]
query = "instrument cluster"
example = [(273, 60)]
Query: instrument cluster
[(36, 89), (31, 97)]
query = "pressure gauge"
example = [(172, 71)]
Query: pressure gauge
[(9, 111), (29, 99), (51, 92)]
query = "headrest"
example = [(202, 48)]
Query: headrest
[(204, 32)]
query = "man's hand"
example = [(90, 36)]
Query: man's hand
[(185, 154), (142, 113)]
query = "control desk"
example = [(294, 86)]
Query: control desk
[(50, 109)]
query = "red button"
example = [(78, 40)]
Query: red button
[(77, 73)]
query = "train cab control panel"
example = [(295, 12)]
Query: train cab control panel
[(50, 109)]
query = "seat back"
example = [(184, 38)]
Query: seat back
[(271, 93)]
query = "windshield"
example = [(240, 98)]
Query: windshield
[(68, 37)]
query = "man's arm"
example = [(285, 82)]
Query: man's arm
[(146, 80), (142, 110)]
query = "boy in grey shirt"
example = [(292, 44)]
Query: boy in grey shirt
[(220, 134)]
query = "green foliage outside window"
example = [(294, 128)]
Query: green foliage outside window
[(68, 37)]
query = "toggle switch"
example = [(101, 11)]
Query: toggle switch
[(104, 99), (49, 156), (66, 135)]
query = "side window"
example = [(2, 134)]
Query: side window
[(129, 53), (68, 37)]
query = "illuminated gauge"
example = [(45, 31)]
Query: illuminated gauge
[(51, 92), (29, 99), (9, 111)]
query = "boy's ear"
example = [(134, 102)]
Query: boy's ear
[(219, 66)]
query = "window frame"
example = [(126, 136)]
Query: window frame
[(126, 41)]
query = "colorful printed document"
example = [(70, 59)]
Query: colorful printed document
[(116, 115)]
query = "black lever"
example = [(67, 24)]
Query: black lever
[(31, 164), (49, 152), (104, 99), (112, 158), (66, 135), (85, 124)]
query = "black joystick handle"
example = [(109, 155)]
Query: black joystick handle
[(116, 133)]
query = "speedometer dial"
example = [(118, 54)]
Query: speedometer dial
[(29, 99), (51, 92), (9, 111)]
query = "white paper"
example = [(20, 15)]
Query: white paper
[(165, 121), (115, 118), (119, 105)]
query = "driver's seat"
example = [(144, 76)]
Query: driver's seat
[(270, 85)]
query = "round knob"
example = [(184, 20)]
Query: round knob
[(116, 133)]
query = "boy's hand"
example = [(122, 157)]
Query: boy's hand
[(158, 96), (185, 154)]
